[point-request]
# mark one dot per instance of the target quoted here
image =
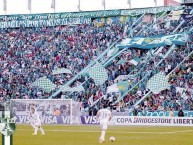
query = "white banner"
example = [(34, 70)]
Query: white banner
[(152, 121)]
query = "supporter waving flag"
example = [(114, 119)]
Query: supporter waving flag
[(98, 73), (158, 83), (45, 84)]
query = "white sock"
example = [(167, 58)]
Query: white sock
[(33, 125), (36, 130), (42, 131), (103, 135)]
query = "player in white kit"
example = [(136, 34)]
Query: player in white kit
[(32, 121), (104, 116), (37, 122)]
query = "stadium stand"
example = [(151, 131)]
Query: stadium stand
[(30, 53)]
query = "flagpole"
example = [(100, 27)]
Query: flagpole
[(55, 6), (29, 5), (155, 3), (5, 6), (129, 3), (104, 4), (79, 6)]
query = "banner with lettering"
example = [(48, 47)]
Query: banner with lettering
[(67, 18), (158, 121), (116, 120), (142, 120), (51, 119), (44, 22)]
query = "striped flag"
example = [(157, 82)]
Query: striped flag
[(5, 5), (98, 73), (158, 83), (29, 4), (7, 127)]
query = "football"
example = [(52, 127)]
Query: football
[(112, 138)]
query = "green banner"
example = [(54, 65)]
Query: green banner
[(136, 12), (67, 18), (41, 23)]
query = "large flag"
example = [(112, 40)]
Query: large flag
[(118, 87), (158, 83), (5, 5), (153, 41), (29, 4), (45, 84), (61, 71), (98, 73), (53, 4)]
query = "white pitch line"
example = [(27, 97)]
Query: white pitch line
[(116, 131)]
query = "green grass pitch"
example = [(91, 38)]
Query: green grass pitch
[(88, 135)]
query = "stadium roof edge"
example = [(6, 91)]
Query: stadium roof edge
[(95, 10)]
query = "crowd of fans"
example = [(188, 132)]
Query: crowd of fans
[(27, 54), (30, 53), (179, 80)]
